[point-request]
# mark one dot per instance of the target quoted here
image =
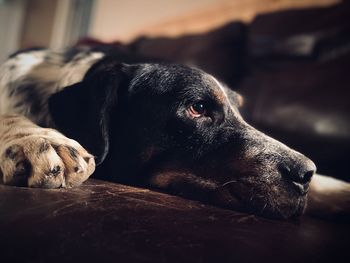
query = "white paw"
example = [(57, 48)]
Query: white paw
[(44, 158)]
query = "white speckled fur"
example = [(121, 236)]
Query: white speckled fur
[(48, 72), (26, 81)]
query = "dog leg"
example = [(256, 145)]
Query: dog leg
[(40, 157), (328, 197)]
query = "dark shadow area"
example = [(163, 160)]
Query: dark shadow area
[(103, 222)]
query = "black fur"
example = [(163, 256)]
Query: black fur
[(44, 147), (73, 152), (135, 120), (12, 152)]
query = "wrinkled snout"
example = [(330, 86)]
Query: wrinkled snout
[(270, 178), (291, 165)]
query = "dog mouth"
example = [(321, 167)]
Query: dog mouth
[(280, 201), (300, 188)]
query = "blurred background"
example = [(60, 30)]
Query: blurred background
[(290, 59), (60, 23)]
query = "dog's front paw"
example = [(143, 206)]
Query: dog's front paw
[(45, 158)]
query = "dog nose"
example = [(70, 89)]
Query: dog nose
[(299, 172)]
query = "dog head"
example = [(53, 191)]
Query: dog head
[(179, 129)]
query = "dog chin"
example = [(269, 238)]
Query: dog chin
[(277, 201), (283, 205), (293, 209)]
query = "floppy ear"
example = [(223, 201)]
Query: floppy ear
[(234, 97), (82, 111)]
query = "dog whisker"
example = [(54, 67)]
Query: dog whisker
[(262, 210), (229, 182)]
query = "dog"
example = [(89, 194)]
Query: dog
[(159, 125)]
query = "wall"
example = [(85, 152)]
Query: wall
[(121, 19), (125, 19), (11, 19), (38, 23)]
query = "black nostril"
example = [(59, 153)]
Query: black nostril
[(307, 176), (299, 173)]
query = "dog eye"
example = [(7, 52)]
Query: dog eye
[(197, 109)]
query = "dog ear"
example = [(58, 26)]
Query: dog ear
[(82, 111)]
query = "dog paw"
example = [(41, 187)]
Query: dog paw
[(45, 158)]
